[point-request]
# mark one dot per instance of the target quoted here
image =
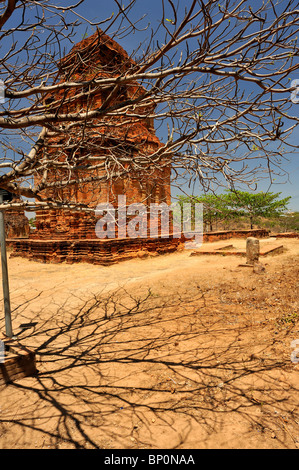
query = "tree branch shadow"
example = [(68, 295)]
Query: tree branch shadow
[(127, 369)]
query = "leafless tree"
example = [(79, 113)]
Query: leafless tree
[(214, 77)]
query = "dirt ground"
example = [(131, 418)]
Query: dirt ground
[(170, 352)]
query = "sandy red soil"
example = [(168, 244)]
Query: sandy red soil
[(167, 352)]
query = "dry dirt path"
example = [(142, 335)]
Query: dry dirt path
[(166, 352)]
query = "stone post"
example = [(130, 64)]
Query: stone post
[(252, 250)]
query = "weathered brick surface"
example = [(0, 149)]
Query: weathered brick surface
[(226, 234), (110, 251), (286, 235), (102, 252), (16, 223), (18, 362)]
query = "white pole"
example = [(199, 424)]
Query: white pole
[(6, 298)]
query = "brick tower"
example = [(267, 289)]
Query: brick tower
[(119, 145)]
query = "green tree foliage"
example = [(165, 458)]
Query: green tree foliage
[(255, 205), (237, 204), (290, 222), (215, 208)]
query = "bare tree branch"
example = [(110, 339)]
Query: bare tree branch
[(213, 78)]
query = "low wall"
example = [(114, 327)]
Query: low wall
[(226, 234), (286, 235), (103, 252), (110, 251)]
